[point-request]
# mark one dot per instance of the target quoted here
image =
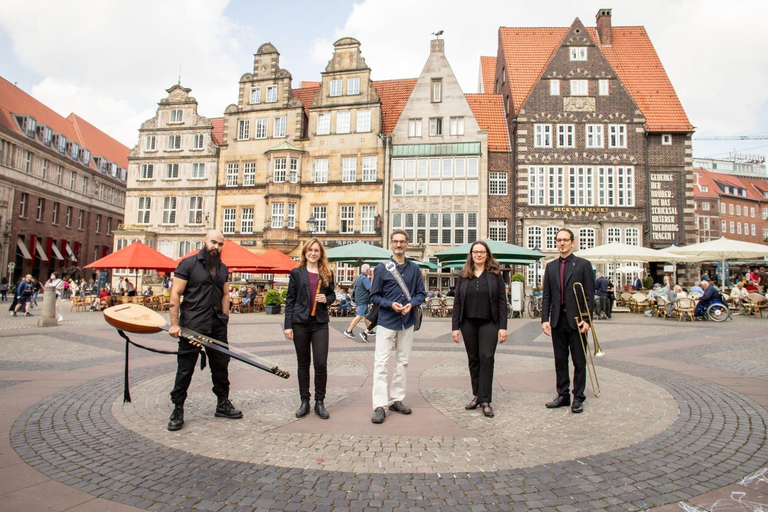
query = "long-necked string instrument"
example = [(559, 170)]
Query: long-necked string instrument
[(586, 316), (139, 319), (319, 285)]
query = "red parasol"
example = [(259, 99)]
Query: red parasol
[(280, 262), (135, 256), (238, 259)]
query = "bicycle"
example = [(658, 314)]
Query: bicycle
[(533, 306)]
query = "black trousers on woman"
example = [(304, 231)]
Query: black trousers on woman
[(481, 336), (311, 342)]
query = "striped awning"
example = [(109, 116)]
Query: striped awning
[(23, 249), (70, 253), (39, 250), (56, 252)]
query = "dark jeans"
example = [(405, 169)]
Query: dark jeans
[(565, 340), (218, 362), (602, 307), (481, 336), (311, 342)]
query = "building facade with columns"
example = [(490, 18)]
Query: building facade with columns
[(601, 142), (172, 173), (62, 191)]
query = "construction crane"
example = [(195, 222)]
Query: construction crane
[(735, 137)]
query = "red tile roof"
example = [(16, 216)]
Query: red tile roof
[(528, 50), (719, 181), (759, 186), (14, 101), (488, 73), (394, 95), (704, 187), (218, 130), (306, 95), (489, 112)]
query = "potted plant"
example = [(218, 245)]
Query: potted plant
[(273, 302)]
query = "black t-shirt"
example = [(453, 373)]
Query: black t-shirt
[(202, 295)]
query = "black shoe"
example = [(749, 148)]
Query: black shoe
[(471, 406), (303, 409), (28, 314), (378, 415), (225, 410), (400, 407), (577, 407), (320, 410), (487, 410), (349, 335), (559, 401), (364, 336), (177, 418)]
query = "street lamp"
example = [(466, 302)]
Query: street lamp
[(536, 269), (311, 224)]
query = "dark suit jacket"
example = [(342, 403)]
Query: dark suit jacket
[(297, 305), (577, 270), (498, 298)]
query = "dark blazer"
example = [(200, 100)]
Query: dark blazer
[(297, 305), (498, 298), (577, 270)]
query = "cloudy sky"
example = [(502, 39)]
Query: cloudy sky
[(111, 61)]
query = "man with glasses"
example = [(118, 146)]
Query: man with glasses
[(395, 329), (559, 318)]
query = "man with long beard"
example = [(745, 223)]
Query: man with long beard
[(202, 280)]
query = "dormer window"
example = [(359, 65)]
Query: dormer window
[(578, 53), (27, 124), (44, 134), (60, 142), (85, 156), (335, 88), (177, 116), (74, 150)]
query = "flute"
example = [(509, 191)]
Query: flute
[(319, 284)]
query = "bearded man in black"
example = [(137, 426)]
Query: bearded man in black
[(202, 280)]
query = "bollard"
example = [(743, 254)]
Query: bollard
[(49, 308)]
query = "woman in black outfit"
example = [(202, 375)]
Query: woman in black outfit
[(310, 292), (480, 316)]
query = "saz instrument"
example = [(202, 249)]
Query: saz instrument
[(139, 319), (586, 316)]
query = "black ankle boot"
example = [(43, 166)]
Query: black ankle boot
[(303, 409), (177, 418), (320, 410), (225, 409)]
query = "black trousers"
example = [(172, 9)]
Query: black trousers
[(481, 336), (218, 362), (311, 342), (565, 340)]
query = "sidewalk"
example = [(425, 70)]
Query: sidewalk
[(682, 418)]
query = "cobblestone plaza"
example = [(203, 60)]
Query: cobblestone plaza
[(680, 425)]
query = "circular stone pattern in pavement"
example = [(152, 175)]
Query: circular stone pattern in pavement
[(630, 410), (717, 437)]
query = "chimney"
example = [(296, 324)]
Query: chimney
[(603, 18)]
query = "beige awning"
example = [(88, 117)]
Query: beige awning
[(57, 252), (23, 249), (39, 250), (70, 253)]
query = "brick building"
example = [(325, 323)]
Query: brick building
[(62, 190), (601, 143)]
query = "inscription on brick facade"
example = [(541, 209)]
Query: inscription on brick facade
[(664, 212)]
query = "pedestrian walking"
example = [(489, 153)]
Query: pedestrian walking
[(361, 297)]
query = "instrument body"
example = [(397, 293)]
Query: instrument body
[(586, 316), (139, 319)]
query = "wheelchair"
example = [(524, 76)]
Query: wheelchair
[(717, 310)]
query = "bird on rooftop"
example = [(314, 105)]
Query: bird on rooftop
[(438, 33)]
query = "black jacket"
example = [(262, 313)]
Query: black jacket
[(577, 270), (498, 298), (297, 305)]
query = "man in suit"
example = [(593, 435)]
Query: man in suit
[(559, 318), (637, 284)]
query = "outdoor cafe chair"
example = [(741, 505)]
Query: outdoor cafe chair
[(448, 306), (435, 306), (661, 307), (685, 306)]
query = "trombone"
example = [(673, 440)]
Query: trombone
[(585, 315)]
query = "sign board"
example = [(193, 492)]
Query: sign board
[(664, 221)]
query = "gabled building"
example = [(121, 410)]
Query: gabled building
[(706, 206), (601, 144), (172, 178), (62, 190), (439, 163)]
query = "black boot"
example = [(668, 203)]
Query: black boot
[(177, 418), (225, 410), (303, 409), (320, 410)]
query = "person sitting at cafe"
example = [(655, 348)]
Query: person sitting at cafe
[(435, 295), (451, 292), (696, 288), (739, 294), (250, 294), (148, 292), (102, 300), (751, 286), (711, 294)]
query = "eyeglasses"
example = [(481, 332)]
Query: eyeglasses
[(563, 240), (479, 252), (399, 242)]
